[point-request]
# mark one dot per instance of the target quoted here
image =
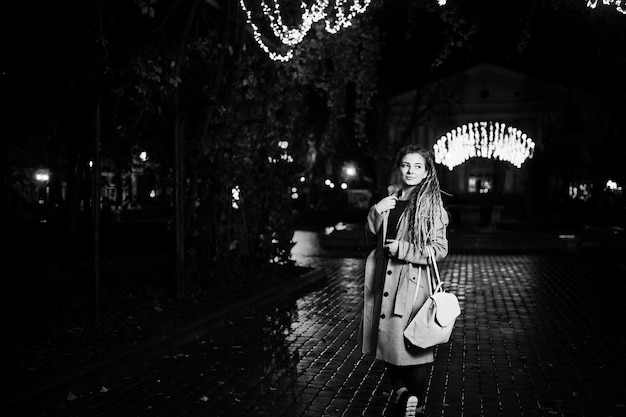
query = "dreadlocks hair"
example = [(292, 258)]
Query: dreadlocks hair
[(425, 203)]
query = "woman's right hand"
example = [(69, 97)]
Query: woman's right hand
[(386, 204)]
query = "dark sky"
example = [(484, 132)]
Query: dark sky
[(562, 39), (557, 40)]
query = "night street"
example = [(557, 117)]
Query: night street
[(539, 335), (190, 190)]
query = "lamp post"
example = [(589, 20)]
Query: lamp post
[(95, 186), (42, 176)]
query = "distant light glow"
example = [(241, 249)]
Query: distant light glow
[(302, 179), (236, 195), (493, 140), (580, 191), (335, 18), (286, 157), (42, 175), (341, 226), (143, 155), (283, 144), (344, 186), (612, 186), (349, 170), (617, 3)]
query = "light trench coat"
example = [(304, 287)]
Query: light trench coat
[(390, 301)]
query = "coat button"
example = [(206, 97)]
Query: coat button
[(389, 272), (382, 316), (386, 294)]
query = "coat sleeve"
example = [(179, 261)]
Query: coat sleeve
[(374, 222), (410, 253)]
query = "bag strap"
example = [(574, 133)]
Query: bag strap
[(417, 287), (438, 281), (439, 285)]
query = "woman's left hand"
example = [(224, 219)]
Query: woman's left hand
[(391, 247)]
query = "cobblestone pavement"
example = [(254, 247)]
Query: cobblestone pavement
[(540, 335)]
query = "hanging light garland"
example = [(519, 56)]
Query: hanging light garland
[(334, 16), (493, 140), (619, 4)]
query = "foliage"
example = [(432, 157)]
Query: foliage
[(233, 106), (160, 72)]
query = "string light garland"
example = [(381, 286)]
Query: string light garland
[(619, 4), (487, 139), (334, 16)]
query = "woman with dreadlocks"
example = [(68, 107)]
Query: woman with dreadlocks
[(405, 225)]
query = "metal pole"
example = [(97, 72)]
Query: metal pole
[(95, 181), (179, 202)]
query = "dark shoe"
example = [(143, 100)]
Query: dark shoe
[(401, 404), (410, 409)]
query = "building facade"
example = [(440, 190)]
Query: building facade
[(487, 127)]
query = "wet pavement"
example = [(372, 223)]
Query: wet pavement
[(540, 335)]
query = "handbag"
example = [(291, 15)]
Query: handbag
[(433, 323)]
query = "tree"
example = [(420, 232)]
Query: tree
[(244, 120)]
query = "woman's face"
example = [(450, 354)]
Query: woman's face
[(412, 169)]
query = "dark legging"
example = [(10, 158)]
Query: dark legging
[(414, 378)]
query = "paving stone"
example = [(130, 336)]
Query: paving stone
[(540, 335)]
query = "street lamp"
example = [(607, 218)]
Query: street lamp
[(42, 176), (349, 172)]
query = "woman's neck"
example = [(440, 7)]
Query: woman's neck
[(405, 192)]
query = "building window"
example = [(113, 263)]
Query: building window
[(480, 183), (580, 191)]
